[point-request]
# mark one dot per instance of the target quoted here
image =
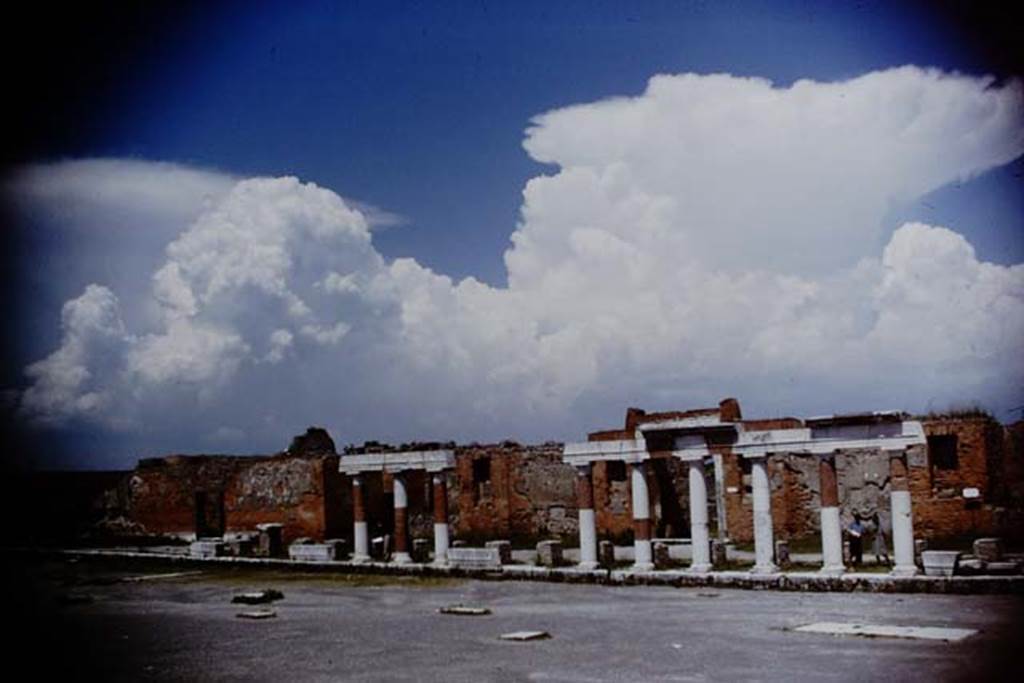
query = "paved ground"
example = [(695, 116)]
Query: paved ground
[(375, 628)]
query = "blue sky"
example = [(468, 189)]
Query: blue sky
[(419, 110), (420, 107)]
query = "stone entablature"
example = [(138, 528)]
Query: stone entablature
[(430, 461), (626, 450)]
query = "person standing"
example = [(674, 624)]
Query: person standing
[(856, 534), (878, 545)]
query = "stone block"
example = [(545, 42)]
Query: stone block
[(606, 553), (311, 552), (270, 540), (940, 562), (208, 548), (719, 554), (549, 553), (504, 549), (474, 558), (421, 549), (242, 544), (662, 560), (782, 554), (989, 549)]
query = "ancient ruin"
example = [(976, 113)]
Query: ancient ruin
[(697, 481)]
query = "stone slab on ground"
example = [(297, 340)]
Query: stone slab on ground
[(465, 610), (525, 635), (949, 635), (258, 597), (257, 614)]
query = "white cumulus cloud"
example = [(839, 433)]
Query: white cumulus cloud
[(712, 236)]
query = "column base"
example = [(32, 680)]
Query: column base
[(402, 558), (764, 569), (699, 568), (832, 570), (587, 565), (360, 559), (643, 566), (910, 570), (443, 562)]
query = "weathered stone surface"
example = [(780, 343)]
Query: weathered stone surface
[(463, 610), (940, 562), (207, 548), (258, 597), (989, 549), (504, 549), (549, 553), (662, 560), (312, 552), (719, 554), (526, 635), (474, 558), (782, 554), (270, 541), (257, 614)]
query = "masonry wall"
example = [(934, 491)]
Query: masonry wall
[(291, 490), (527, 493)]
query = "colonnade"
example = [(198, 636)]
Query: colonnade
[(435, 463), (822, 439)]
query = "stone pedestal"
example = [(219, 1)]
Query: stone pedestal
[(504, 549), (270, 540), (719, 554), (782, 554), (662, 560), (549, 553), (989, 549)]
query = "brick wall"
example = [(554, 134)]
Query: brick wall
[(291, 490)]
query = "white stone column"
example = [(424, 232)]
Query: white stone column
[(401, 555), (361, 538), (831, 529), (764, 539), (700, 548), (643, 559), (902, 518), (440, 519), (588, 525)]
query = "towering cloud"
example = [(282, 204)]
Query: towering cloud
[(713, 235)]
